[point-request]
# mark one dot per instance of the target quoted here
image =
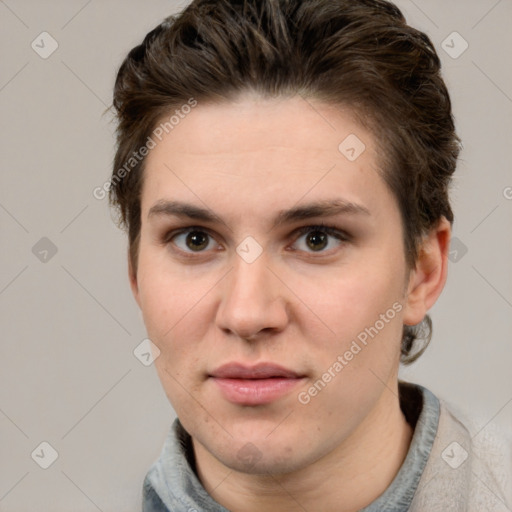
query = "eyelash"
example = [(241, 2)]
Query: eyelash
[(325, 228)]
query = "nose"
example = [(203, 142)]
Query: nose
[(253, 300)]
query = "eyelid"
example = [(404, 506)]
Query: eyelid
[(170, 234), (327, 228)]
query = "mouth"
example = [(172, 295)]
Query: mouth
[(255, 385)]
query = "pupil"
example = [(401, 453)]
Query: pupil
[(196, 240), (316, 237)]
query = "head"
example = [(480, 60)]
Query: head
[(246, 109)]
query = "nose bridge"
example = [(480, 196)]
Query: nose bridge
[(252, 298), (250, 282)]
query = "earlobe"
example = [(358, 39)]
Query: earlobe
[(427, 280)]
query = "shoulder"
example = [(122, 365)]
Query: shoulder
[(469, 467), (489, 456)]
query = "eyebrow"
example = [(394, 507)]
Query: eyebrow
[(323, 208)]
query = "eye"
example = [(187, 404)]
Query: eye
[(316, 239), (192, 239), (319, 237)]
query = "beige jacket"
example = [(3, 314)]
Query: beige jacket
[(469, 469)]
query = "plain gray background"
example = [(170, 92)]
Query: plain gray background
[(69, 323)]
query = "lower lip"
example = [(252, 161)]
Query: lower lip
[(255, 391)]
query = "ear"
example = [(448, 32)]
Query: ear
[(132, 275), (427, 280)]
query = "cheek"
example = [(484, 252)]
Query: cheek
[(363, 310), (166, 294), (174, 304), (351, 303), (353, 365)]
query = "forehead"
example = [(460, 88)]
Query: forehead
[(251, 123), (278, 149)]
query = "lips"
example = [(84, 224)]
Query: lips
[(260, 371), (254, 385)]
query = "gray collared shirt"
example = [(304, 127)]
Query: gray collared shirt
[(171, 484)]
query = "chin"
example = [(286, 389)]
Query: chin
[(260, 454), (251, 460)]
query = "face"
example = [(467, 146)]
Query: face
[(277, 338)]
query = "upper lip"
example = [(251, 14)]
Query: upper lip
[(259, 371)]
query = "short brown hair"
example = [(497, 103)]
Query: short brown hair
[(356, 53)]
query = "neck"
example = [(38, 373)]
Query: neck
[(349, 478)]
